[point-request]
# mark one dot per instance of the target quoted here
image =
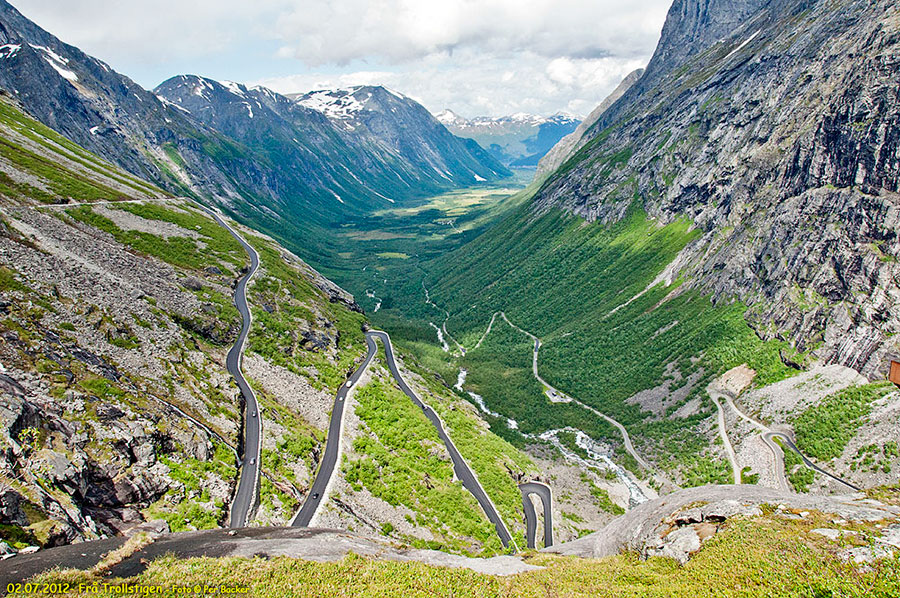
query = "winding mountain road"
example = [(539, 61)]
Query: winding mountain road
[(716, 396), (460, 467), (769, 435), (247, 492), (558, 396), (546, 496), (787, 440), (319, 491)]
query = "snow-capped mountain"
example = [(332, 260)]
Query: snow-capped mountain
[(517, 140), (392, 120)]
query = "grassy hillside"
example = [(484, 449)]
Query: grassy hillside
[(165, 350), (41, 165), (399, 459), (762, 557)]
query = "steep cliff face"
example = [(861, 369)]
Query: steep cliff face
[(110, 115), (774, 127)]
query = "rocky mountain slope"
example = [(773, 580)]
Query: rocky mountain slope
[(117, 408), (736, 205), (39, 164), (113, 117), (775, 132), (117, 414), (380, 116), (519, 141)]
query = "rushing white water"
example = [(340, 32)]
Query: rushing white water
[(596, 460), (440, 335), (479, 400), (460, 379), (371, 295)]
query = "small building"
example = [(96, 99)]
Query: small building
[(894, 375)]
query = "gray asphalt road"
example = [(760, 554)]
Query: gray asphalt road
[(316, 493), (790, 444), (460, 467), (723, 434), (543, 491), (246, 494), (769, 435)]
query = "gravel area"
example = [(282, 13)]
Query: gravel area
[(128, 221), (776, 402)]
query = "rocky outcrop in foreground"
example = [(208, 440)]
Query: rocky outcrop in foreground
[(676, 525)]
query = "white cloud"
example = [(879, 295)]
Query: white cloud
[(156, 30), (475, 56), (320, 32), (474, 85)]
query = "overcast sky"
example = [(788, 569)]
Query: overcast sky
[(476, 57)]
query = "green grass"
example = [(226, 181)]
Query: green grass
[(9, 281), (601, 497), (183, 513), (493, 459), (182, 252), (607, 334), (401, 460), (798, 474), (562, 280), (748, 558), (217, 240), (824, 429), (500, 371), (63, 179)]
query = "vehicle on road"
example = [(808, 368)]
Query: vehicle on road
[(253, 461), (254, 414), (349, 383), (315, 496)]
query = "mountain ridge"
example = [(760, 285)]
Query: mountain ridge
[(519, 140), (316, 168)]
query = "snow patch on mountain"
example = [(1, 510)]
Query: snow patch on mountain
[(57, 62), (9, 50), (236, 89), (339, 104)]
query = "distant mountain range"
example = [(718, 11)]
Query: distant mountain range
[(519, 140), (282, 164)]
